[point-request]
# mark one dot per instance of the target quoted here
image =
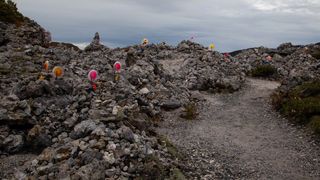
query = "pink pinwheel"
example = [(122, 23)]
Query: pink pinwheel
[(93, 75), (117, 66)]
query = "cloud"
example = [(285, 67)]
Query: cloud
[(287, 6), (229, 24)]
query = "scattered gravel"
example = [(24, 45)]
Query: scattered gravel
[(239, 136)]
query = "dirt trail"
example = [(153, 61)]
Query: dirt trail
[(239, 136)]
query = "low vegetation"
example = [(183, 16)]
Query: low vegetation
[(155, 169), (190, 111), (301, 104), (9, 12), (264, 71)]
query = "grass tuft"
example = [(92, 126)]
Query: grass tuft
[(190, 111)]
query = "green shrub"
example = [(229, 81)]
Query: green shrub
[(9, 12), (308, 89), (301, 109), (301, 103), (264, 71)]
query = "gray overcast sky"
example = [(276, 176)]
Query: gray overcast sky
[(229, 24)]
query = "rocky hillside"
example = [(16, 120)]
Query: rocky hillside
[(75, 132)]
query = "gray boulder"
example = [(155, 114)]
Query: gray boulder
[(83, 129)]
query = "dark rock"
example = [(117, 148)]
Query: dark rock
[(171, 104), (126, 133), (13, 143), (83, 129), (42, 141), (38, 108), (94, 171), (4, 40), (5, 68), (140, 124), (33, 89), (95, 44), (131, 59), (15, 112), (89, 156), (62, 153), (64, 45), (62, 87), (42, 88)]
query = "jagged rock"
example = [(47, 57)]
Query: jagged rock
[(82, 129), (38, 138), (131, 59), (92, 171), (62, 153), (189, 46), (144, 91), (89, 156), (95, 45), (15, 112), (109, 158), (42, 88), (183, 46), (126, 133), (108, 132), (4, 40), (43, 170), (13, 143)]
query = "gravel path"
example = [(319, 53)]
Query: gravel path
[(239, 136), (10, 165)]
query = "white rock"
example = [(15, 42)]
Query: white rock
[(109, 157), (144, 91), (111, 146), (115, 110)]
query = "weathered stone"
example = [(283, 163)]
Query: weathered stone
[(13, 143), (171, 104), (109, 157), (95, 45), (82, 129), (144, 91), (126, 133)]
